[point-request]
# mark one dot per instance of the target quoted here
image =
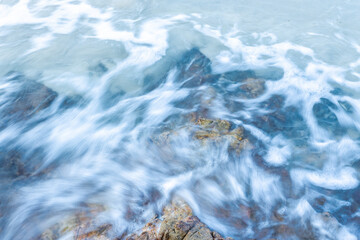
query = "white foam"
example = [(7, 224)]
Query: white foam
[(343, 179), (334, 179), (303, 209), (109, 151), (40, 42), (279, 152)]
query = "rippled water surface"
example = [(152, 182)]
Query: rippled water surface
[(249, 110)]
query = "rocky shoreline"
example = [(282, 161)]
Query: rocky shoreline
[(177, 221)]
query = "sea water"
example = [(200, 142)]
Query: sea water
[(111, 68)]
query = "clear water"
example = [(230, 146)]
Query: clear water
[(120, 60)]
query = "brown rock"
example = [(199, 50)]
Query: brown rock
[(97, 234), (29, 100), (178, 222), (206, 131), (195, 69), (11, 162), (218, 125), (253, 87), (218, 131), (80, 226)]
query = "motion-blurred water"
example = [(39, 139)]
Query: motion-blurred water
[(113, 68)]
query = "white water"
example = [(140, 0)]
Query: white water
[(100, 153)]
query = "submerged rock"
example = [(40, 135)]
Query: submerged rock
[(80, 226), (195, 68), (18, 163), (30, 98), (252, 88), (250, 85), (275, 102), (11, 164), (346, 106), (219, 131), (287, 121), (176, 223), (199, 125), (326, 118)]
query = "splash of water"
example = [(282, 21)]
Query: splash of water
[(98, 102)]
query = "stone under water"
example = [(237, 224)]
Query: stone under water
[(176, 223)]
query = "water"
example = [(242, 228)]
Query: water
[(115, 129)]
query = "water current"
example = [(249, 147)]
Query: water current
[(248, 110)]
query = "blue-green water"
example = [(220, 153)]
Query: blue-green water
[(87, 88)]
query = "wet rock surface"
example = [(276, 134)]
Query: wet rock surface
[(80, 226), (194, 69), (207, 132), (346, 106), (242, 84), (28, 98), (26, 102), (282, 120), (217, 130), (325, 116), (176, 223), (205, 129), (11, 164)]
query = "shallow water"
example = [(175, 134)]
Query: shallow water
[(120, 79)]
